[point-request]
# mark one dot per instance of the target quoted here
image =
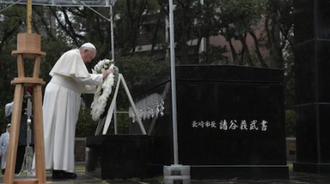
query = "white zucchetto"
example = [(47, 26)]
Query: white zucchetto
[(88, 45)]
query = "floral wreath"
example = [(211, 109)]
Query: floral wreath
[(102, 92)]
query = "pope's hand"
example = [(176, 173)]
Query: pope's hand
[(107, 72)]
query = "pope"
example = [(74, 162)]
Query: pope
[(61, 104)]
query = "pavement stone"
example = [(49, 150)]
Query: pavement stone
[(83, 178)]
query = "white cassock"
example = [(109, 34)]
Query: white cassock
[(70, 78), (4, 142)]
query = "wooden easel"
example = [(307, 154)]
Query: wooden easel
[(28, 46)]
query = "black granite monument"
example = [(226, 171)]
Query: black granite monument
[(312, 78), (230, 125), (230, 121)]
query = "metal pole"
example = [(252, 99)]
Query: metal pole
[(173, 85), (203, 43), (113, 58), (29, 15), (112, 37)]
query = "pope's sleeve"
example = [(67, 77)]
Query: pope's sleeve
[(91, 82), (92, 79)]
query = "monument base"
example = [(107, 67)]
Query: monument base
[(239, 172), (317, 168), (118, 156), (134, 156)]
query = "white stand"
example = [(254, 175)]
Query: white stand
[(28, 156), (107, 122)]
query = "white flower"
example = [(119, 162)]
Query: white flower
[(100, 100)]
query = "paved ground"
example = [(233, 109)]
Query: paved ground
[(295, 178)]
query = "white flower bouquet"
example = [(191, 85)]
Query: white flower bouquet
[(103, 92)]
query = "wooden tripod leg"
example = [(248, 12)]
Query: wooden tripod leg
[(39, 135), (14, 133)]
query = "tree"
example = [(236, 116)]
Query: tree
[(237, 20), (136, 17), (63, 28), (10, 21)]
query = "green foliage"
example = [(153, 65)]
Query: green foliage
[(290, 123), (63, 28), (123, 121), (214, 55), (242, 14), (137, 68), (85, 125), (12, 19), (10, 22), (3, 120), (135, 17)]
